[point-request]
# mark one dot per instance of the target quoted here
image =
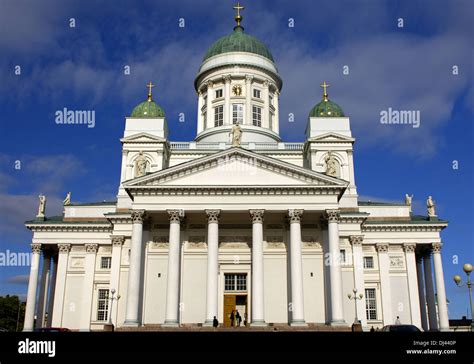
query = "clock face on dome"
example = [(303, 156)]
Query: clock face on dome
[(237, 90)]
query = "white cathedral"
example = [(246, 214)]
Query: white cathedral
[(236, 219)]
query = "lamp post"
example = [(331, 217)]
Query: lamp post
[(467, 268), (112, 298), (355, 297)]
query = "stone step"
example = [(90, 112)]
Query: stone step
[(310, 328)]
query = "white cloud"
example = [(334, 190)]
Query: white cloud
[(19, 279)]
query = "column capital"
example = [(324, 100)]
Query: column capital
[(295, 216), (118, 240), (213, 216), (64, 248), (91, 248), (36, 248), (356, 240), (137, 216), (382, 247), (266, 83), (209, 84), (333, 215), (409, 247), (248, 78), (175, 215), (257, 216), (436, 248), (227, 78)]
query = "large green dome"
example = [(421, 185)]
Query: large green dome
[(238, 41), (326, 109), (148, 109)]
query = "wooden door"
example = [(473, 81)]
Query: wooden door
[(229, 305)]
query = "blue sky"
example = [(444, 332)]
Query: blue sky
[(407, 68)]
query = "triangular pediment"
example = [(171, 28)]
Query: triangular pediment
[(235, 167), (331, 137), (142, 138)]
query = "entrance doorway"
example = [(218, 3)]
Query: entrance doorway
[(235, 299)]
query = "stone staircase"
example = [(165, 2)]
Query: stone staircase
[(271, 327)]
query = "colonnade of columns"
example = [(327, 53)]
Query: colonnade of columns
[(433, 308), (46, 290), (257, 284)]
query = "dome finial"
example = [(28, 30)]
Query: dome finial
[(238, 18), (150, 86), (325, 86)]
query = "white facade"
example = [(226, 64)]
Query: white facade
[(260, 227)]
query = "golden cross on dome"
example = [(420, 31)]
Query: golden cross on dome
[(325, 86), (150, 85), (238, 18)]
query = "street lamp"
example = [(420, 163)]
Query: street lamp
[(467, 268), (355, 297), (112, 298)]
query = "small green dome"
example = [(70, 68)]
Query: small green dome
[(238, 41), (148, 109), (326, 109)]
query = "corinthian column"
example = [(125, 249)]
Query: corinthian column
[(210, 110), (172, 291), (296, 267), (358, 266), (386, 293), (258, 313), (117, 243), (421, 292), (440, 288), (43, 293), (430, 297), (133, 289), (212, 265), (32, 286), (337, 306), (248, 100), (200, 123), (60, 289), (412, 284), (227, 105), (87, 287)]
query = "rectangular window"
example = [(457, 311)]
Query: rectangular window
[(235, 282), (219, 93), (219, 115), (342, 256), (271, 99), (271, 121), (256, 116), (105, 262), (256, 93), (368, 262), (237, 113), (370, 304), (205, 100), (204, 119), (103, 305)]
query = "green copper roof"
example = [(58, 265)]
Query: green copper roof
[(238, 41), (148, 109), (326, 109)]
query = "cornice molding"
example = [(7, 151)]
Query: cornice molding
[(236, 190), (70, 227), (402, 228)]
